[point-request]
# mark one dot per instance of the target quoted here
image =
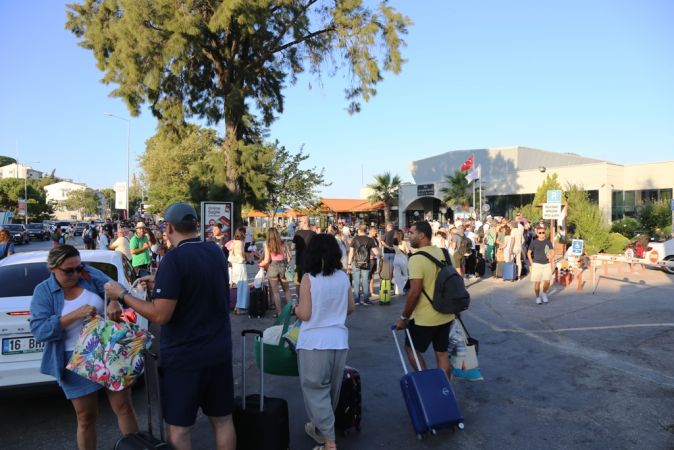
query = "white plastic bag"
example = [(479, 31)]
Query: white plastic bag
[(259, 278), (272, 335)]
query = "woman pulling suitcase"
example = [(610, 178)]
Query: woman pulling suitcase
[(325, 301)]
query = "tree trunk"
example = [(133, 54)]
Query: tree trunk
[(387, 214), (230, 150)]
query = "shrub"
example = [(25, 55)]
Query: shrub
[(628, 227), (617, 243), (655, 217)]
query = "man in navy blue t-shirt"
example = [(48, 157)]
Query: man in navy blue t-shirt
[(191, 304)]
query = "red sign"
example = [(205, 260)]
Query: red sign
[(653, 256)]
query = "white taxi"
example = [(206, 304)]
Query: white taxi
[(20, 353)]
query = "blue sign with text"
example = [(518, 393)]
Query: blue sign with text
[(554, 197), (577, 246)]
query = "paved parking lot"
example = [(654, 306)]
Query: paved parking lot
[(584, 371)]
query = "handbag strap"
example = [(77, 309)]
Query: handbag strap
[(458, 316)]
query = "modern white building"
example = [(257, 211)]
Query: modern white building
[(511, 176), (16, 170), (58, 193)]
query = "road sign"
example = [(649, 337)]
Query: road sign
[(552, 210), (486, 207), (22, 207), (577, 246), (555, 196), (671, 204)]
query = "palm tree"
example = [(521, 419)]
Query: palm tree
[(456, 193), (385, 189)]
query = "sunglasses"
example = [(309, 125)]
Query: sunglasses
[(540, 232), (72, 270)]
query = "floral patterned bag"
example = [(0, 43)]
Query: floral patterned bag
[(110, 353)]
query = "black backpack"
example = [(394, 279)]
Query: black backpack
[(450, 295), (362, 254)]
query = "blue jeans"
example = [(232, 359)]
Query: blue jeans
[(361, 279)]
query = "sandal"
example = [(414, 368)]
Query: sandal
[(313, 433)]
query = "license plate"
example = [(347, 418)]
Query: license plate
[(21, 345)]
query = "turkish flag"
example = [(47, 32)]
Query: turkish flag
[(468, 164)]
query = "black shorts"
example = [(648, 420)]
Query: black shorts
[(373, 268), (423, 336), (184, 391)]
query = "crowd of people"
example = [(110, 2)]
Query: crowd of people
[(334, 271)]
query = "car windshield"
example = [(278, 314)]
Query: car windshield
[(19, 280), (12, 227), (34, 226)]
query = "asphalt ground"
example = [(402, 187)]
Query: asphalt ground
[(584, 371)]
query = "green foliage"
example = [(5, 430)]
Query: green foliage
[(84, 200), (216, 59), (456, 193), (551, 183), (654, 217), (6, 160), (585, 220), (12, 189), (385, 189), (174, 160), (288, 184), (617, 243), (628, 227)]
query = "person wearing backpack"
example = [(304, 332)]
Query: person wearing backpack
[(362, 246), (426, 324)]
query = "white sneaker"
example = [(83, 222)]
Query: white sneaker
[(538, 300), (544, 297)]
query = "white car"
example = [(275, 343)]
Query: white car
[(656, 252), (20, 353)]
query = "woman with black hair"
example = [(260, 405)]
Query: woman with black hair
[(325, 301)]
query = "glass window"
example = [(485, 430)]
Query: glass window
[(19, 280), (108, 269), (629, 198), (665, 195)]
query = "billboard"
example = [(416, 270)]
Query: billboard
[(216, 212), (120, 195)]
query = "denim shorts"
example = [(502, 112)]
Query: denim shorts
[(277, 269), (74, 385)]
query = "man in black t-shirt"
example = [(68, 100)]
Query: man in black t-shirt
[(540, 256), (191, 303), (301, 241), (387, 244), (358, 264)]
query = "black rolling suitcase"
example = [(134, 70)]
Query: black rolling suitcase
[(349, 407), (480, 266), (145, 440), (259, 301), (471, 263), (261, 422)]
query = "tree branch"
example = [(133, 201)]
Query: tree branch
[(267, 55)]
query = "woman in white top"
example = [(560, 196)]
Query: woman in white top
[(237, 259), (325, 301)]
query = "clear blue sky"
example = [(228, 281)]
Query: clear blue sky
[(590, 77)]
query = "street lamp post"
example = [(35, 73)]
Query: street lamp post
[(128, 158), (25, 186)]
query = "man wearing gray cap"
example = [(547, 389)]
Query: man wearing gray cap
[(191, 296)]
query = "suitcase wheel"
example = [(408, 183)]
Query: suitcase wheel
[(434, 432), (461, 426), (419, 437)]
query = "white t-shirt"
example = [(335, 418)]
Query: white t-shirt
[(73, 330), (326, 329), (249, 235)]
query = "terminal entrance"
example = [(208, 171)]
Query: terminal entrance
[(427, 208)]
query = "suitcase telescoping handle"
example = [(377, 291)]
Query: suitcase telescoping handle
[(243, 367), (151, 355), (400, 353)]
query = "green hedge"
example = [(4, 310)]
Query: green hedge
[(617, 243)]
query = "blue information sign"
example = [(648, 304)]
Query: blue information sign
[(577, 246), (671, 204), (554, 196)]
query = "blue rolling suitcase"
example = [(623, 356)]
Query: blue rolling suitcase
[(509, 271), (429, 397)]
